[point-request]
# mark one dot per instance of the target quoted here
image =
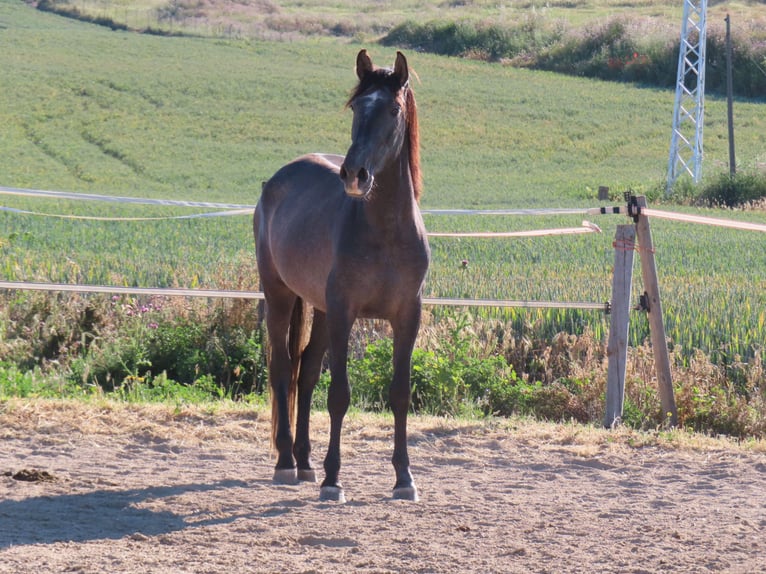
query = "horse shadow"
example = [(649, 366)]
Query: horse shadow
[(99, 515)]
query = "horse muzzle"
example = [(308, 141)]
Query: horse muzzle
[(357, 182)]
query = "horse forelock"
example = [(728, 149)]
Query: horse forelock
[(384, 78), (375, 80)]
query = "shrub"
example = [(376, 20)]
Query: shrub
[(475, 39), (102, 341), (737, 190), (72, 12), (618, 49), (446, 380)]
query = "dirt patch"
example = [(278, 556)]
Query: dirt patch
[(31, 475), (156, 489)]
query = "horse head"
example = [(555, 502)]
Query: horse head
[(380, 105)]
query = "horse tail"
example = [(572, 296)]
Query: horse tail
[(296, 344)]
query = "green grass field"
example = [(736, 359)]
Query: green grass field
[(87, 109)]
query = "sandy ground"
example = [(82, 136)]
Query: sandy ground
[(110, 488)]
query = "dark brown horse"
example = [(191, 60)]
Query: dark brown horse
[(344, 236)]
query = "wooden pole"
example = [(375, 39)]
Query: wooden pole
[(730, 99), (617, 348), (654, 310)]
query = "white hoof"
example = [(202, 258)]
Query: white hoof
[(332, 493), (406, 493), (307, 475), (285, 476)]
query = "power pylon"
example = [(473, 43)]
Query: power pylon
[(689, 108)]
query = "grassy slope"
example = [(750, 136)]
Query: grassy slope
[(87, 109), (97, 110)]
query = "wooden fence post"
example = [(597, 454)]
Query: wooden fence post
[(617, 348), (654, 310)]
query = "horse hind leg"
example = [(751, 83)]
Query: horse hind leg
[(311, 365), (279, 313)]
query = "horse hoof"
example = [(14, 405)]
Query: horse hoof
[(285, 476), (406, 493), (332, 493), (307, 475)]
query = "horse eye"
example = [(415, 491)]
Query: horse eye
[(396, 110)]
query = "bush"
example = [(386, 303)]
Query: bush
[(101, 341), (478, 40), (737, 190), (726, 400), (455, 379), (448, 380), (747, 65), (72, 12), (172, 350), (618, 49)]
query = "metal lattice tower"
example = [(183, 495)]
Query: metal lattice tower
[(689, 108)]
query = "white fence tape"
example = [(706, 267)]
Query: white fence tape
[(219, 294), (169, 202), (148, 291), (745, 225), (587, 227), (118, 199), (542, 211), (227, 213), (240, 209)]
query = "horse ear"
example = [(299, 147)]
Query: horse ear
[(401, 70), (363, 64)]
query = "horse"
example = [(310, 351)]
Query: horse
[(343, 235)]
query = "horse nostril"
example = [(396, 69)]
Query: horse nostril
[(363, 175), (343, 173)]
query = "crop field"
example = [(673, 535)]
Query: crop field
[(86, 109)]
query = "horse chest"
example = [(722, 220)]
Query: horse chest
[(378, 277)]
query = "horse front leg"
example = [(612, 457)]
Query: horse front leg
[(405, 333), (338, 399), (311, 365)]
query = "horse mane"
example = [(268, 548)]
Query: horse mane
[(385, 78)]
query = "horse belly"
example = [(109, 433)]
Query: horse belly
[(303, 259), (307, 280)]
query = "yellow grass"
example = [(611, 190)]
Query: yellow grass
[(233, 423)]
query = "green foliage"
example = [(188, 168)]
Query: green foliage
[(454, 379), (229, 359), (728, 400), (474, 39), (163, 389), (102, 342), (447, 380), (748, 59), (71, 12), (734, 191), (619, 48), (27, 383)]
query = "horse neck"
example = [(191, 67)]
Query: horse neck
[(393, 203)]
